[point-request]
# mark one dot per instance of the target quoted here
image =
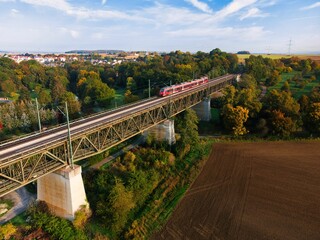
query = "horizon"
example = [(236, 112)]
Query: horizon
[(95, 50)]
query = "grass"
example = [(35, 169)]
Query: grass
[(296, 91), (214, 126), (119, 97), (19, 219)]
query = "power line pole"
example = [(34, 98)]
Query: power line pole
[(69, 138), (289, 47), (38, 113), (149, 89)]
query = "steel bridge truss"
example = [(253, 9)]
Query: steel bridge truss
[(21, 170)]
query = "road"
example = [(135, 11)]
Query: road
[(22, 199)]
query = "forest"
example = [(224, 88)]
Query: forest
[(262, 102)]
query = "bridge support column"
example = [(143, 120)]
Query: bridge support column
[(203, 110), (164, 131), (63, 191)]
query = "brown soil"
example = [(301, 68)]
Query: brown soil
[(252, 191)]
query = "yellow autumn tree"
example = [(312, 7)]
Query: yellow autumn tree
[(234, 119), (7, 230)]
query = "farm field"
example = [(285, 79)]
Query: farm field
[(315, 58), (252, 191)]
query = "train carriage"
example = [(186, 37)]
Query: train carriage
[(181, 87)]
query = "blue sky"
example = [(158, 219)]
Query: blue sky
[(162, 25)]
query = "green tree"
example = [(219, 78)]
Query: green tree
[(284, 102), (121, 202), (248, 98), (274, 78), (74, 106), (90, 85), (44, 97), (186, 125), (286, 87), (313, 118)]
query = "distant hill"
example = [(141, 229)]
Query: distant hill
[(243, 52), (94, 51)]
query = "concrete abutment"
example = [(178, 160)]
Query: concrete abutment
[(63, 191), (203, 110), (163, 132)]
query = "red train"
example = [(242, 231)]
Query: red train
[(181, 87)]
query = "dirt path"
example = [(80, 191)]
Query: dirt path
[(137, 142), (263, 92), (21, 198), (252, 191)]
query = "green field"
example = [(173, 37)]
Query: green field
[(296, 91)]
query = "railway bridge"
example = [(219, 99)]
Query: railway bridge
[(35, 156)]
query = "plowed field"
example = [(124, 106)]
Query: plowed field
[(252, 191)]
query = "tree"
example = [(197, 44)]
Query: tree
[(282, 126), (234, 119), (248, 98), (74, 106), (44, 97), (304, 103), (129, 97), (286, 87), (284, 102), (91, 89), (273, 79), (121, 202), (229, 95), (186, 125), (313, 118)]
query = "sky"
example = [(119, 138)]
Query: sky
[(258, 26)]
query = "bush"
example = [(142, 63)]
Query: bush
[(6, 231), (81, 217)]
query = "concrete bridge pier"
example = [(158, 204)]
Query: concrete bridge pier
[(63, 191), (163, 131), (203, 110)]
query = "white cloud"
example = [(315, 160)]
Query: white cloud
[(234, 6), (164, 15), (81, 12), (317, 4), (250, 33), (7, 1), (253, 12), (70, 32), (103, 2), (14, 11), (57, 4), (200, 5)]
